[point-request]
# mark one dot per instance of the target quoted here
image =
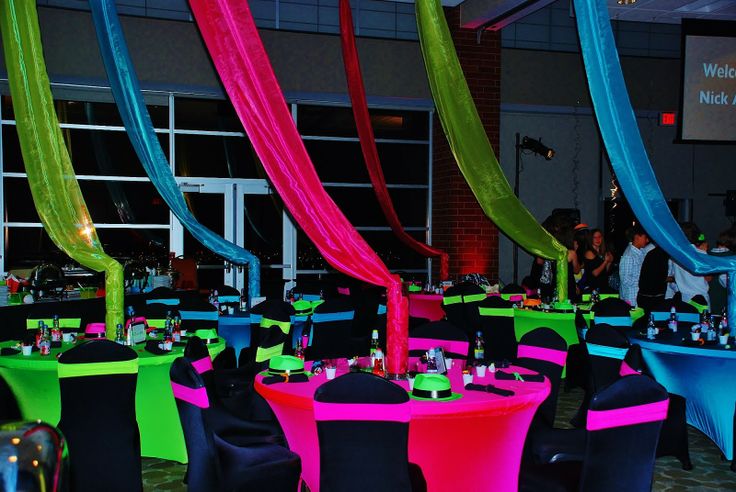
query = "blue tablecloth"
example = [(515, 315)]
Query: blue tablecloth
[(235, 329), (703, 375)]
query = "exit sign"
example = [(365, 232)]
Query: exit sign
[(667, 118)]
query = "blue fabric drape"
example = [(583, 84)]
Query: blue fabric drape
[(626, 150), (127, 93)]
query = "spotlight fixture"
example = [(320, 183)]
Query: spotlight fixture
[(537, 147), (626, 2)]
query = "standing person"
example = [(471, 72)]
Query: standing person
[(718, 287), (597, 263), (653, 279), (629, 267), (688, 284)]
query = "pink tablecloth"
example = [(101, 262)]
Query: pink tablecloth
[(427, 306), (481, 435)]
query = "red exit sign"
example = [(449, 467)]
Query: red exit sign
[(667, 118)]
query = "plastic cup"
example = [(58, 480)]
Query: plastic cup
[(467, 379), (330, 372), (67, 338), (448, 363), (723, 339), (183, 332), (411, 382), (695, 336), (481, 371), (26, 349)]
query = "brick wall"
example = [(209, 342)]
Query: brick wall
[(459, 226)]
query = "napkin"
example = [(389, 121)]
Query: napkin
[(9, 351), (294, 378), (532, 378), (488, 388)]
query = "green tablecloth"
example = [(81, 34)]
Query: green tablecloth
[(35, 384)]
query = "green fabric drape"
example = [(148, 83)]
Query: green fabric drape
[(51, 177), (470, 145)]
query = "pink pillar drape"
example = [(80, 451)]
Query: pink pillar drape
[(235, 46), (368, 141)]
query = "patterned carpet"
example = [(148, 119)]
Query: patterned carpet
[(709, 473)]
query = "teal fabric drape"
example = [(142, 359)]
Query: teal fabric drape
[(629, 159), (125, 88)]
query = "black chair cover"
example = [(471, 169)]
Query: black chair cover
[(98, 419), (618, 455), (438, 330), (215, 464), (197, 314), (497, 326), (332, 332), (359, 455)]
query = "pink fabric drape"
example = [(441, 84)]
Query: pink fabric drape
[(236, 49), (368, 141)]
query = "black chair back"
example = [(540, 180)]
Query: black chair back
[(155, 314), (460, 303), (624, 422), (197, 314), (612, 311), (274, 333), (435, 334), (544, 351), (163, 295), (98, 416), (360, 412), (331, 335), (497, 326), (607, 348)]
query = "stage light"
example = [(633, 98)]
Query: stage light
[(537, 147)]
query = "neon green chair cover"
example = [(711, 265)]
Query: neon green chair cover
[(51, 177), (470, 145)]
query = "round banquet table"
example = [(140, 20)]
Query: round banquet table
[(473, 443), (702, 374), (34, 382)]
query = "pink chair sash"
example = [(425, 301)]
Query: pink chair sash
[(202, 365), (620, 417), (540, 353), (454, 346), (627, 370), (195, 396), (373, 412)]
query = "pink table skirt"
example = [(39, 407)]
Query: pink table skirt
[(483, 433)]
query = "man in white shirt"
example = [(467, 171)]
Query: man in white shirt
[(630, 264), (686, 283)]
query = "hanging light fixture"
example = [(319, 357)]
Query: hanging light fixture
[(626, 2), (537, 147)]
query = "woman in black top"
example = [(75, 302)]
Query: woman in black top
[(598, 261)]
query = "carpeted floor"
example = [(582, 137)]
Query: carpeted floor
[(709, 472)]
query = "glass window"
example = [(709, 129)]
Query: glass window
[(93, 152), (335, 121), (26, 247), (337, 162), (404, 163), (111, 202), (394, 254), (263, 215), (216, 156), (361, 207), (92, 113), (205, 114)]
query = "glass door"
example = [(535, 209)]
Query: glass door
[(246, 212)]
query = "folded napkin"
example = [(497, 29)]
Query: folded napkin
[(282, 378), (532, 378), (9, 351), (488, 388)]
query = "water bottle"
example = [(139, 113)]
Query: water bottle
[(119, 338), (56, 330), (216, 301), (39, 333), (479, 350), (724, 323), (672, 323), (243, 300), (130, 312), (374, 342), (44, 345), (299, 350), (651, 329)]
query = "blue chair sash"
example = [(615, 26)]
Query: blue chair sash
[(606, 351), (685, 317), (199, 315), (329, 317), (613, 320)]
